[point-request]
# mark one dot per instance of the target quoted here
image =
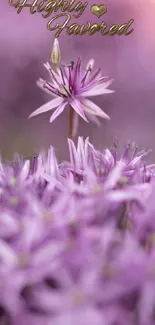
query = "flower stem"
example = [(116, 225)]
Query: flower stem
[(123, 221), (71, 117)]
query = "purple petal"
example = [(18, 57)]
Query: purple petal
[(58, 111), (114, 176), (76, 78), (95, 77), (25, 170), (73, 153), (100, 89), (75, 103), (92, 117), (52, 249), (94, 109), (40, 83), (47, 107), (55, 76)]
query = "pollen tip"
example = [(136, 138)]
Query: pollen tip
[(42, 80)]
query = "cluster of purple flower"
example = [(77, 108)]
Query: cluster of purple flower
[(77, 239)]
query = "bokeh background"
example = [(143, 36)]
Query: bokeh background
[(25, 44)]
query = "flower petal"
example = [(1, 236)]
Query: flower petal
[(73, 154), (54, 76), (90, 64), (93, 108), (100, 89), (47, 107), (58, 111), (97, 92), (92, 117), (95, 77), (40, 84), (76, 75), (79, 109)]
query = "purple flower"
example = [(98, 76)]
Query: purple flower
[(77, 239), (104, 162), (70, 85)]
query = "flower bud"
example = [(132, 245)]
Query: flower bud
[(56, 54)]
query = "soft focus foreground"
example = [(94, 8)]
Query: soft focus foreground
[(25, 46), (77, 239)]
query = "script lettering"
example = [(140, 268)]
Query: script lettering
[(70, 9)]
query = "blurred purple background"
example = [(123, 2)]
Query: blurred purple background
[(25, 44)]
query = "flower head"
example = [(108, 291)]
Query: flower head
[(70, 85)]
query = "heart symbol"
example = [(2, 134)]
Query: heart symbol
[(98, 10)]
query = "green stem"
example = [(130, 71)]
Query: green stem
[(71, 111), (71, 121), (123, 219)]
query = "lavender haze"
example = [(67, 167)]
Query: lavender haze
[(25, 44), (77, 238)]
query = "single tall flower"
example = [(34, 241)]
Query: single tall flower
[(70, 86)]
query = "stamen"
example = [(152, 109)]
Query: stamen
[(85, 76), (60, 85), (42, 81), (68, 93), (102, 79), (49, 87), (62, 76), (77, 71), (72, 64), (48, 83), (134, 153), (95, 76), (126, 151), (70, 78), (55, 78)]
